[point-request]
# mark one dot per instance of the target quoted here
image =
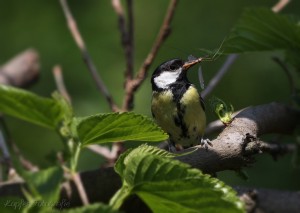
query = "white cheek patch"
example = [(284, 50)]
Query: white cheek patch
[(166, 78)]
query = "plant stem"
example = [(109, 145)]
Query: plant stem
[(119, 197), (75, 156)]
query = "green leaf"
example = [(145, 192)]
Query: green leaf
[(188, 196), (222, 110), (27, 106), (44, 184), (65, 107), (166, 184), (263, 30), (113, 127), (120, 165)]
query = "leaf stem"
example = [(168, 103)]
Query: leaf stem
[(119, 197), (75, 152)]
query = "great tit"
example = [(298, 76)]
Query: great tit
[(176, 105)]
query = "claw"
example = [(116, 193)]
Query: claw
[(205, 142), (172, 147)]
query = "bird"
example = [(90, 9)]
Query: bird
[(177, 106)]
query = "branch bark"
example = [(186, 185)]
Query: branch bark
[(233, 148)]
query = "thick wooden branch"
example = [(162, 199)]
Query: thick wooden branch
[(233, 148), (22, 70)]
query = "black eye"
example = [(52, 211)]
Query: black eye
[(173, 67), (176, 64)]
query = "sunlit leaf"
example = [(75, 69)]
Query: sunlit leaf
[(113, 127), (27, 106), (166, 184)]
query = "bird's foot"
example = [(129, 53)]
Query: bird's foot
[(172, 147), (205, 142)]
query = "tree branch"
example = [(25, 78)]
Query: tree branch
[(233, 148)]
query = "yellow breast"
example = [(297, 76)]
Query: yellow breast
[(185, 121)]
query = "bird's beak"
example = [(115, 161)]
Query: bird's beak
[(191, 63)]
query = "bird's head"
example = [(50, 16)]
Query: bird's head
[(170, 72)]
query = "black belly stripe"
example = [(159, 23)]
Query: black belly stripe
[(183, 126), (178, 90)]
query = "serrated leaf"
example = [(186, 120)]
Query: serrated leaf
[(113, 127), (64, 105), (120, 165), (260, 30), (27, 106), (186, 196), (152, 150), (165, 183)]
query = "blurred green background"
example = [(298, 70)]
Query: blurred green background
[(254, 78)]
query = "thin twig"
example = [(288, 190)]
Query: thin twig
[(280, 5), (130, 51), (111, 155), (80, 188), (3, 147), (164, 32), (116, 4), (126, 35), (24, 162), (86, 56), (5, 159), (219, 75), (101, 150), (59, 80)]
